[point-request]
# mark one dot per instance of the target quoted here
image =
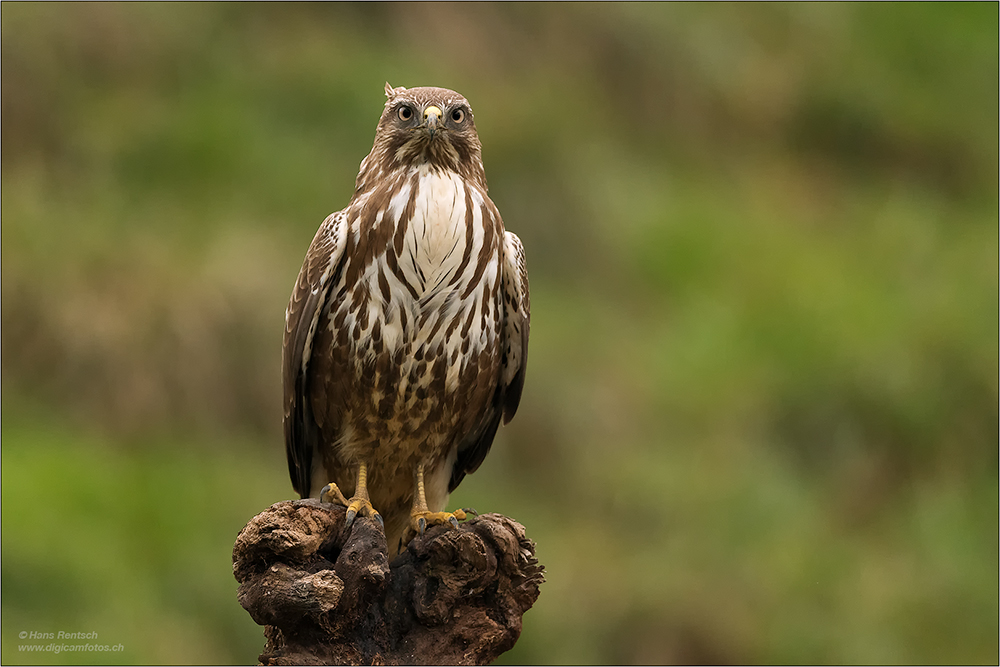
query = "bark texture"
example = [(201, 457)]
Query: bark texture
[(327, 595)]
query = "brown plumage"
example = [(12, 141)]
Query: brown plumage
[(406, 335)]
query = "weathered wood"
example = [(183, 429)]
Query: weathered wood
[(327, 595)]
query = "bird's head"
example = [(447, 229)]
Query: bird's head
[(432, 126)]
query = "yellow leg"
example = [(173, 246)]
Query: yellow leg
[(421, 517), (359, 504)]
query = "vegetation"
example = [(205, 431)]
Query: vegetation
[(763, 248)]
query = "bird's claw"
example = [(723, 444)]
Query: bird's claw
[(361, 506), (419, 521), (331, 494)]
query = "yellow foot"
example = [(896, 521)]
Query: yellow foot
[(331, 494), (355, 506), (420, 520), (362, 506)]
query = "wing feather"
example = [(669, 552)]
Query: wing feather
[(320, 270), (517, 322), (514, 360)]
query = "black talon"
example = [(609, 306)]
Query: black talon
[(421, 525), (350, 518), (453, 521), (378, 517), (470, 511)]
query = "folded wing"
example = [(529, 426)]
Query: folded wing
[(514, 358), (306, 309)]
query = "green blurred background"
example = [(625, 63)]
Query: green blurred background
[(761, 415)]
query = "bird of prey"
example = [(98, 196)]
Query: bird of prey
[(406, 335)]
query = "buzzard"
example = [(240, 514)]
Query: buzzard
[(406, 335)]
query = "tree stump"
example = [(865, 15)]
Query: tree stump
[(327, 595)]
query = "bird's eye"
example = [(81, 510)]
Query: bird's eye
[(405, 113), (458, 115)]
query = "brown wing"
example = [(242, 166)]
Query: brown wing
[(320, 270), (517, 322), (514, 360)]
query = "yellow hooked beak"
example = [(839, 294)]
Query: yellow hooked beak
[(432, 119)]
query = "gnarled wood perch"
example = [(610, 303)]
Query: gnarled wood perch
[(327, 595)]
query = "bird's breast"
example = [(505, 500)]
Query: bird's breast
[(436, 236), (416, 323), (433, 288)]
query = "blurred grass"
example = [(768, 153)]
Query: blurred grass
[(132, 543), (761, 419)]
